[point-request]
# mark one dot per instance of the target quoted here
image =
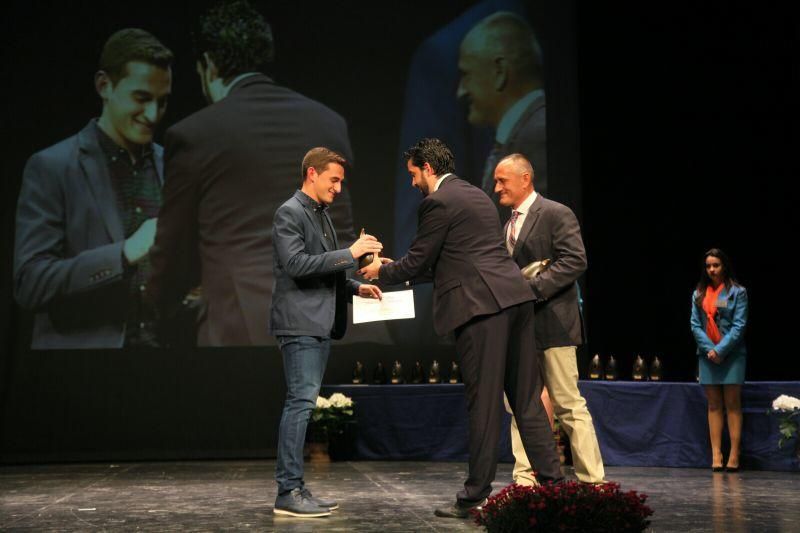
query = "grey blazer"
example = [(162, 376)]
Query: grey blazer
[(310, 287), (68, 246), (551, 231)]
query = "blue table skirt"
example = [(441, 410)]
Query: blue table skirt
[(637, 424)]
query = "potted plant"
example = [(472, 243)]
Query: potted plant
[(331, 428), (789, 409)]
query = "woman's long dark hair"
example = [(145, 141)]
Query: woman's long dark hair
[(729, 278)]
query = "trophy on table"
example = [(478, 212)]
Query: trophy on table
[(611, 369), (455, 373), (397, 374), (639, 369), (358, 373), (379, 374), (418, 373), (435, 376), (655, 370), (596, 368)]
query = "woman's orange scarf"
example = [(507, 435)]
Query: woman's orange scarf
[(710, 308)]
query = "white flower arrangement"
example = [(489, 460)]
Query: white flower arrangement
[(331, 415), (338, 399), (789, 407), (784, 403), (323, 403)]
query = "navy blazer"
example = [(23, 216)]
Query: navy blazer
[(731, 321), (310, 287), (68, 247)]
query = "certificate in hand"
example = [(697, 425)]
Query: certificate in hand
[(395, 305)]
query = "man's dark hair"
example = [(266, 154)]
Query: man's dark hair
[(435, 153), (236, 37), (132, 44), (319, 158)]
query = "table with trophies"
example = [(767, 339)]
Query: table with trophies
[(641, 421)]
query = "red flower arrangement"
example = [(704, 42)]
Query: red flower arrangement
[(569, 506)]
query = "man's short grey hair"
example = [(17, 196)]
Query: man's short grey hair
[(521, 164)]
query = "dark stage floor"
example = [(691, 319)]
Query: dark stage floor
[(374, 496)]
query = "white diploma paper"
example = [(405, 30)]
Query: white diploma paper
[(394, 306)]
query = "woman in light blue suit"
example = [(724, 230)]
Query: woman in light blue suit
[(719, 317)]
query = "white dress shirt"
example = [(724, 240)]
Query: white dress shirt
[(439, 181)]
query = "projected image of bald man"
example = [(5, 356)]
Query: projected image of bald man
[(502, 84)]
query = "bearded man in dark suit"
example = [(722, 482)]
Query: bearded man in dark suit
[(479, 295)]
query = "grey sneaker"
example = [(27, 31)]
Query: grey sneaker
[(295, 503), (319, 502)]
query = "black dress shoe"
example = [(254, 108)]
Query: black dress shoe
[(717, 469), (458, 510), (731, 469)]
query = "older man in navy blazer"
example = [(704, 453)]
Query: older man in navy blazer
[(308, 310)]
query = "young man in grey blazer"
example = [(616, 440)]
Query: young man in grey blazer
[(87, 209), (542, 229), (309, 308)]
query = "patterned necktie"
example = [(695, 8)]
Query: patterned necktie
[(511, 240)]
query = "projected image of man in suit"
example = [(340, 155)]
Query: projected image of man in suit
[(502, 83), (86, 215), (229, 166)]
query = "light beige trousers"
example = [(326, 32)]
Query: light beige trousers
[(560, 373)]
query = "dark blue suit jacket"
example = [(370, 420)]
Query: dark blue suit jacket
[(311, 289), (68, 246)]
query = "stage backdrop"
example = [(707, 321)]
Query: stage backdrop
[(667, 132)]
